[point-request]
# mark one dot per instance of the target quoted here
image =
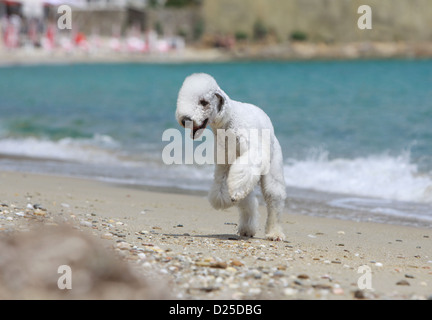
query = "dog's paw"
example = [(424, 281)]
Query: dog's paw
[(275, 234), (246, 231), (220, 200), (240, 182), (275, 237), (237, 196)]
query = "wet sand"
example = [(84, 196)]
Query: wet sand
[(193, 251)]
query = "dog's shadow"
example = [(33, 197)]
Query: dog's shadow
[(231, 237), (225, 237)]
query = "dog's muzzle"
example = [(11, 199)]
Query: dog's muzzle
[(196, 130)]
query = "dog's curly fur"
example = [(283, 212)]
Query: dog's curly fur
[(202, 102)]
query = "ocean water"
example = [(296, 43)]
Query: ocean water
[(356, 135)]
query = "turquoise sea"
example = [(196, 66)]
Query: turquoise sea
[(356, 135)]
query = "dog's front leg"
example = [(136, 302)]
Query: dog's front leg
[(242, 178), (246, 171), (219, 196)]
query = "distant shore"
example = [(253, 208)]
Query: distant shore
[(287, 51)]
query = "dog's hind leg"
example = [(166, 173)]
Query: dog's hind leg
[(273, 189), (249, 214)]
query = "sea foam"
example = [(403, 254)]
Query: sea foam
[(98, 149), (379, 176)]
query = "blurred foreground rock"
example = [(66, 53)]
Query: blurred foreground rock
[(29, 263)]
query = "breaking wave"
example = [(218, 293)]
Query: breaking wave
[(99, 149), (378, 176)]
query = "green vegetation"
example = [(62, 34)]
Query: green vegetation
[(298, 36), (241, 35), (158, 26), (198, 29), (182, 3), (260, 31), (182, 33)]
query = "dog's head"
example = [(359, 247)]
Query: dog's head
[(199, 103)]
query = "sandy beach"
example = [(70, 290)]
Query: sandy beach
[(160, 245)]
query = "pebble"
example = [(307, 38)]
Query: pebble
[(123, 245), (85, 223), (402, 283), (289, 292), (254, 291), (278, 273), (219, 265), (322, 286), (142, 255), (202, 264), (328, 277), (237, 295), (39, 212), (359, 294), (107, 236), (38, 206), (338, 291), (237, 263)]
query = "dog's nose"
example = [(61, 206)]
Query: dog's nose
[(184, 120)]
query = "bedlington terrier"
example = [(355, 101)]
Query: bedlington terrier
[(201, 103)]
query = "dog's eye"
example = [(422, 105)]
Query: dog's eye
[(204, 103)]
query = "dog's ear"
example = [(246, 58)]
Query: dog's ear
[(221, 99)]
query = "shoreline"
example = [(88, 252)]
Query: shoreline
[(195, 251), (310, 202), (296, 51)]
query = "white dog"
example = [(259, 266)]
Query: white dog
[(200, 103)]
